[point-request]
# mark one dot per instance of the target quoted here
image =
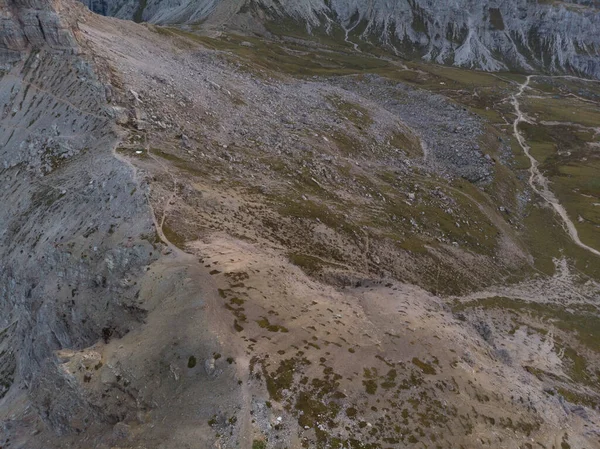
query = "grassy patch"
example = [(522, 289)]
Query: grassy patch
[(310, 265), (358, 115), (173, 236), (264, 323), (563, 110), (426, 368)]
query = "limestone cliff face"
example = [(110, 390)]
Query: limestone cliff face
[(27, 24), (490, 35)]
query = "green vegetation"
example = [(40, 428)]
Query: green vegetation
[(283, 377), (237, 326), (578, 398), (370, 386), (333, 57), (259, 444), (563, 110), (265, 324), (269, 58), (357, 114), (310, 264), (311, 210), (390, 219), (173, 236), (561, 141), (373, 207), (426, 368), (547, 240)]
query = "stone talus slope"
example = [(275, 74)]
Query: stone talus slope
[(247, 172), (488, 35)]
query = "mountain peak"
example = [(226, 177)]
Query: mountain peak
[(487, 35)]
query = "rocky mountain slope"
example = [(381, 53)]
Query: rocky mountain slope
[(233, 241), (488, 35), (71, 238)]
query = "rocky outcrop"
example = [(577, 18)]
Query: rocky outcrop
[(489, 35), (30, 24)]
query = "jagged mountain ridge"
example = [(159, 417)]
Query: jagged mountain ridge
[(489, 35)]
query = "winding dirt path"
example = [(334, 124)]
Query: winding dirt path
[(537, 181)]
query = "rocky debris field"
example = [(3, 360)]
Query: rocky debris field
[(449, 132)]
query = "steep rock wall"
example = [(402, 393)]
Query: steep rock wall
[(26, 24), (491, 35)]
